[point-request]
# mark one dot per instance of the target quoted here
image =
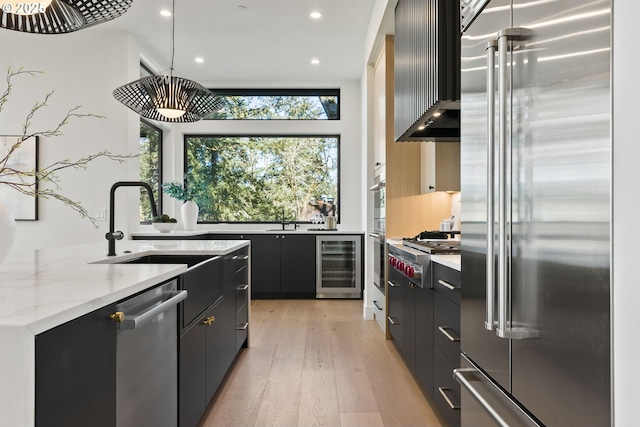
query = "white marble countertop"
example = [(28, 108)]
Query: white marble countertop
[(45, 288)]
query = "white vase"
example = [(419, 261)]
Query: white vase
[(7, 232), (189, 211)]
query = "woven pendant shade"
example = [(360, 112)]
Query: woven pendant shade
[(65, 16), (147, 95)]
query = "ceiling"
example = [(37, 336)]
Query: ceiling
[(252, 40)]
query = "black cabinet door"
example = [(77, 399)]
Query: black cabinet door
[(217, 342), (265, 264), (424, 338), (395, 319), (409, 325), (191, 378), (75, 373), (298, 264)]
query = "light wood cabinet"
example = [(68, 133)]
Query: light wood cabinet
[(383, 101), (440, 166)]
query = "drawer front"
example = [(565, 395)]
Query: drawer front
[(446, 390), (242, 326), (446, 329), (379, 311), (446, 282), (242, 287), (204, 283)]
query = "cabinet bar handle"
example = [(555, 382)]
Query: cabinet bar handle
[(450, 337), (246, 257), (447, 285), (377, 306), (243, 287), (234, 257), (443, 391), (393, 284), (242, 327), (392, 320)]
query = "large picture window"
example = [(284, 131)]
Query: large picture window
[(150, 167), (277, 104), (263, 178)]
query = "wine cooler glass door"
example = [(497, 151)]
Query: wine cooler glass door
[(339, 272)]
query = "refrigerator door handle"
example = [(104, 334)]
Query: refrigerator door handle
[(505, 327), (504, 411), (489, 322)]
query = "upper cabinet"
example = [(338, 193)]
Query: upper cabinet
[(439, 166), (383, 104), (427, 70)]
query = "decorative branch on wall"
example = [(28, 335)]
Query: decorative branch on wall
[(27, 181), (19, 172)]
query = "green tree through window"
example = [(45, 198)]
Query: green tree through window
[(262, 178), (150, 166), (278, 104)]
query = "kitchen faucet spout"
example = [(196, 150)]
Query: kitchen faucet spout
[(113, 235)]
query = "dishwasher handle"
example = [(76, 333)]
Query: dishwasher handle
[(133, 322)]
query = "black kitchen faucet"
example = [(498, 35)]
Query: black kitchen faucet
[(113, 235)]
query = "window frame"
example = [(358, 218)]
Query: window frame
[(158, 200), (254, 135), (280, 92)]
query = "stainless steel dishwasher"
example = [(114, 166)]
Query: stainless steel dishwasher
[(147, 358)]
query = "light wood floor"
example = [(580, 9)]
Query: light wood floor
[(317, 363)]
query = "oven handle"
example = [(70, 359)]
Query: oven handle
[(375, 235)]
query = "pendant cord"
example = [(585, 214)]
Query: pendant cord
[(173, 34)]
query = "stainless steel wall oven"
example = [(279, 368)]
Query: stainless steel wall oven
[(378, 234)]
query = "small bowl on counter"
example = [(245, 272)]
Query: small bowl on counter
[(165, 227)]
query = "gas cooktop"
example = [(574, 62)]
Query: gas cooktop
[(433, 242)]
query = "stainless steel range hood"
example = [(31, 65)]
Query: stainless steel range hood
[(427, 71)]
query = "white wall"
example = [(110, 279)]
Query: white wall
[(83, 69)]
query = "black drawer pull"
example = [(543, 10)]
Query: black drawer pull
[(377, 306)]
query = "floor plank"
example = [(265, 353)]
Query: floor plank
[(317, 363)]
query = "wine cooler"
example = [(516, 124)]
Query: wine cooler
[(339, 272)]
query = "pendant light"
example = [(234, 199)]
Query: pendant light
[(168, 98), (58, 16)]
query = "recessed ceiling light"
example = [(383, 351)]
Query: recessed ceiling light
[(199, 60), (315, 61), (316, 15), (165, 12)]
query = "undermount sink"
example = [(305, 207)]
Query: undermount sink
[(190, 260)]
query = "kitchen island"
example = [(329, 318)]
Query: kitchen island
[(42, 289)]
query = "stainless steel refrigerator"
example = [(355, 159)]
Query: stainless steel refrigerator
[(536, 222)]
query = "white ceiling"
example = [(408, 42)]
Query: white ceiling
[(270, 40)]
